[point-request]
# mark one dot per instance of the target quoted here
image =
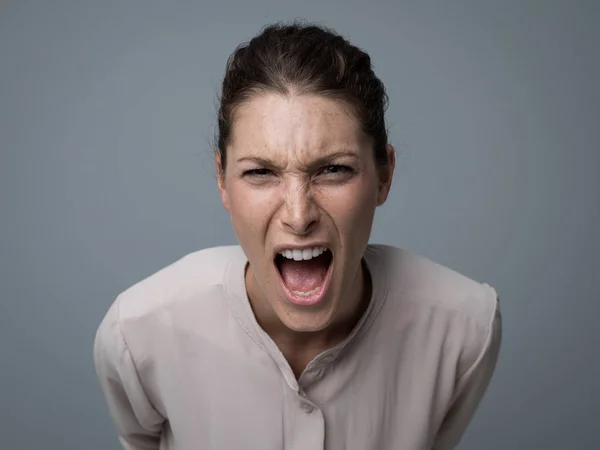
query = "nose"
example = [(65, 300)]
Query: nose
[(300, 214)]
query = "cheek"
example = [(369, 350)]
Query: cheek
[(353, 206), (249, 210)]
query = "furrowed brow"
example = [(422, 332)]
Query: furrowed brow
[(257, 160), (319, 162)]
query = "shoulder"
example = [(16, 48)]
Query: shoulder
[(427, 284), (435, 307), (197, 277)]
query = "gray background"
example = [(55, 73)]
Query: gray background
[(107, 112)]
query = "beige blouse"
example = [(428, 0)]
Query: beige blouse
[(184, 364)]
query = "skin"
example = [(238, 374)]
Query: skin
[(301, 171)]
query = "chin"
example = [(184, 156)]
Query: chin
[(305, 325), (305, 320)]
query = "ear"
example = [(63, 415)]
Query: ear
[(221, 181), (386, 182)]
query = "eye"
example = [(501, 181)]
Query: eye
[(337, 169), (257, 172)]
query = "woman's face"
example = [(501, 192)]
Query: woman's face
[(300, 175)]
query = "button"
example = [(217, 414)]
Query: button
[(301, 393), (307, 407)]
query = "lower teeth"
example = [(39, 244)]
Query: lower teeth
[(307, 294)]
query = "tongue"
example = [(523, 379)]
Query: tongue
[(304, 276)]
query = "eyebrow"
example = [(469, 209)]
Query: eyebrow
[(318, 162)]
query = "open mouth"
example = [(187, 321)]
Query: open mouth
[(305, 274)]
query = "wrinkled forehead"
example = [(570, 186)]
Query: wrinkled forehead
[(294, 128)]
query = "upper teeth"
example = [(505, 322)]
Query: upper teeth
[(302, 254)]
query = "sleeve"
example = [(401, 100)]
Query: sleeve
[(137, 423), (470, 388)]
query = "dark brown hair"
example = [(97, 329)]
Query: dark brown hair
[(304, 59)]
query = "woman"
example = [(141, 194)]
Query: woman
[(303, 337)]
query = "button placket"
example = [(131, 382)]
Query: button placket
[(305, 403), (309, 423)]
